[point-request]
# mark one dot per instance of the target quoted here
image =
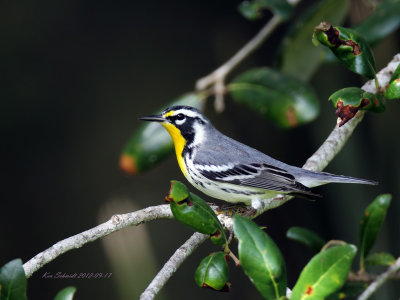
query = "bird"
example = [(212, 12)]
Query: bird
[(226, 169)]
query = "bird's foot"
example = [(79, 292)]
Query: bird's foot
[(232, 208), (250, 212)]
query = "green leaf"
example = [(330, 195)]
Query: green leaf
[(12, 281), (325, 273), (371, 224), (213, 272), (306, 237), (260, 258), (380, 259), (252, 10), (349, 290), (383, 21), (393, 89), (349, 101), (178, 192), (66, 293), (348, 46), (151, 143), (298, 56), (284, 100), (194, 212)]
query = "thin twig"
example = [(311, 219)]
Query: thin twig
[(380, 280), (180, 255), (333, 144), (332, 243), (234, 258), (116, 223), (361, 277), (217, 77), (172, 265), (368, 277), (220, 73)]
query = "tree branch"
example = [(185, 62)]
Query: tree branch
[(116, 223), (338, 137), (220, 73), (217, 77), (380, 280), (368, 277), (172, 265)]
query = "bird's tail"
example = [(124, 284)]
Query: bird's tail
[(312, 179)]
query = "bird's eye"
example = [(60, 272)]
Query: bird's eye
[(180, 117)]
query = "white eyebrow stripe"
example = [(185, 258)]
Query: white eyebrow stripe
[(189, 113)]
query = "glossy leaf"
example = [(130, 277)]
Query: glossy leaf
[(350, 290), (260, 258), (178, 192), (393, 89), (194, 212), (151, 143), (349, 101), (253, 10), (371, 224), (325, 273), (306, 237), (383, 21), (213, 272), (380, 259), (348, 46), (298, 56), (66, 293), (285, 100), (13, 281)]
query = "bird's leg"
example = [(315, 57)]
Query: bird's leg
[(250, 211), (232, 208)]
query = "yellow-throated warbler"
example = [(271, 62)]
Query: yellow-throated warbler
[(231, 171)]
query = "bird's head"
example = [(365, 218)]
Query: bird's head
[(185, 124)]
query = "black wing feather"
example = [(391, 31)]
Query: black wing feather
[(262, 176)]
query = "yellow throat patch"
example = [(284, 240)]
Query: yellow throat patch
[(179, 143)]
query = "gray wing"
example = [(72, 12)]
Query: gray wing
[(262, 176), (232, 162)]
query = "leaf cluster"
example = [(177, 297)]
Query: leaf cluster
[(324, 276)]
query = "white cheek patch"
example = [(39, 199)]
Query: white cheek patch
[(200, 134)]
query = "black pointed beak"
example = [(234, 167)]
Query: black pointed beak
[(153, 118)]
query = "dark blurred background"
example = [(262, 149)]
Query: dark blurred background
[(76, 75)]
